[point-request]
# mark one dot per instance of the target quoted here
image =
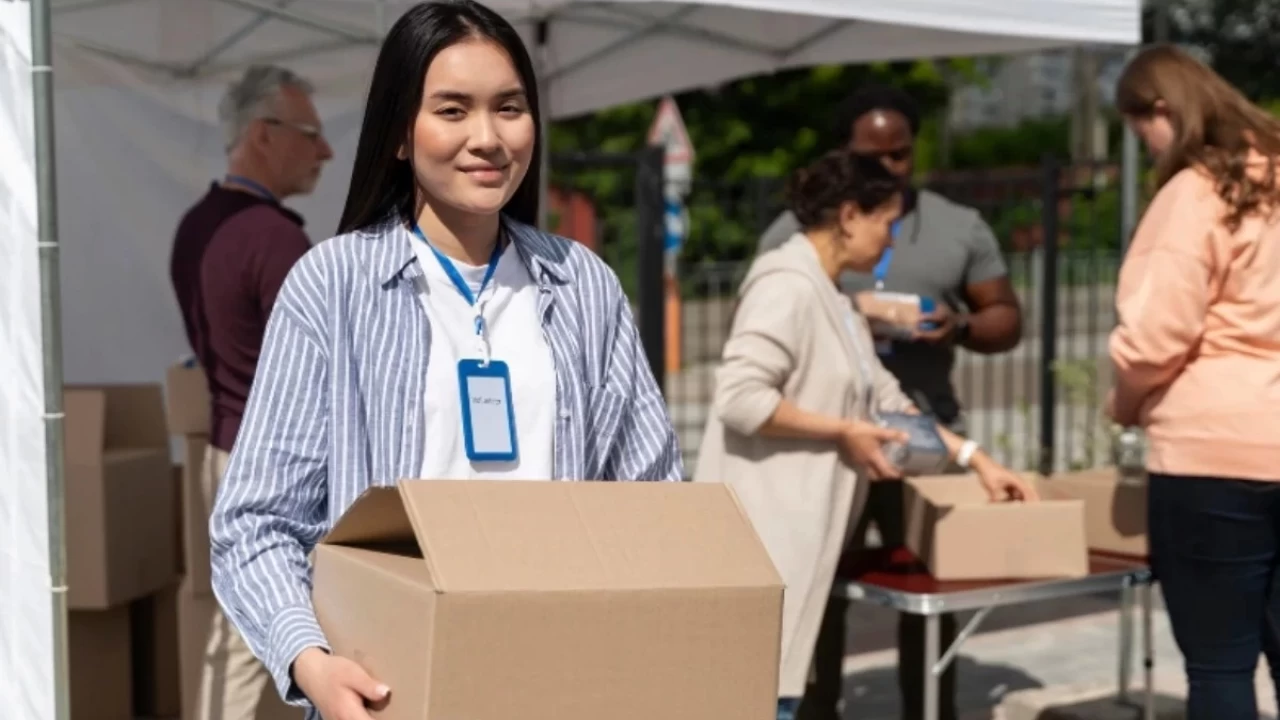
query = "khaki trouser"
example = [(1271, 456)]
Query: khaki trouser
[(232, 680)]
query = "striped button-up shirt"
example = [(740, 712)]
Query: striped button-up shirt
[(337, 407)]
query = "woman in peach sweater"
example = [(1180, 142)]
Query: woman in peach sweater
[(1197, 362)]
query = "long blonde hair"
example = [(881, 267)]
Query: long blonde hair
[(1214, 127)]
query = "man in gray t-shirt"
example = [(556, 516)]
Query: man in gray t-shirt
[(946, 252)]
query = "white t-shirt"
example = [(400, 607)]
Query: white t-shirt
[(510, 306)]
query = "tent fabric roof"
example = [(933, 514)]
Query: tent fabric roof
[(596, 54)]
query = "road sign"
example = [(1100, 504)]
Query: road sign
[(668, 130)]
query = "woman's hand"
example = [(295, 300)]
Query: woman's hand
[(1001, 483), (339, 688), (862, 443)]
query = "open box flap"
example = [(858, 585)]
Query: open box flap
[(490, 536), (114, 417), (377, 516)]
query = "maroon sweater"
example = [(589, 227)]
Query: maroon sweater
[(231, 253)]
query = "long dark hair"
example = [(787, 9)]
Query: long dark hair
[(383, 185)]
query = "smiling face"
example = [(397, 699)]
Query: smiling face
[(473, 139)]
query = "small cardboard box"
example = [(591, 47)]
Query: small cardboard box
[(188, 404), (954, 528), (1115, 512), (99, 663), (195, 614), (197, 507), (491, 600), (120, 524)]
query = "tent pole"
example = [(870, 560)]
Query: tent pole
[(51, 328)]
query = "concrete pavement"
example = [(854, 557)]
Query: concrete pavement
[(1061, 669)]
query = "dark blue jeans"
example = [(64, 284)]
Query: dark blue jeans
[(1215, 548)]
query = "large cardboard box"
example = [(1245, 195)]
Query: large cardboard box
[(154, 633), (197, 506), (187, 394), (195, 618), (492, 600), (120, 524), (954, 528), (99, 662), (1115, 511)]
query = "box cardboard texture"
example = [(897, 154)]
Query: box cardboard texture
[(491, 600), (1115, 512), (197, 507), (99, 665), (154, 632), (120, 496), (959, 534), (187, 392), (188, 413)]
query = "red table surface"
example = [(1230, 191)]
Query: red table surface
[(897, 569)]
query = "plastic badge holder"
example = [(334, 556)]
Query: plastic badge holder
[(923, 453)]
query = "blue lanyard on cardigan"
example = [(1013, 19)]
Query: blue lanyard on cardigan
[(881, 270)]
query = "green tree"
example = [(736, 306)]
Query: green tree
[(1241, 38), (748, 134)]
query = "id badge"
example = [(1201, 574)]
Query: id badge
[(488, 418)]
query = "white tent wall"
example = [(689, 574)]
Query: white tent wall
[(138, 83), (26, 615), (130, 161)]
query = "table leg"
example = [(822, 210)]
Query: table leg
[(1126, 642), (932, 639), (1148, 653)]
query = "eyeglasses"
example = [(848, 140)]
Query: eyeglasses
[(311, 132)]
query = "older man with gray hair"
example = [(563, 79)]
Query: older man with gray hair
[(231, 253)]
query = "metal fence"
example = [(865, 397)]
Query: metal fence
[(1035, 407)]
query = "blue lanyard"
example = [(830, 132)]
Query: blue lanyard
[(456, 277), (253, 185), (881, 270)]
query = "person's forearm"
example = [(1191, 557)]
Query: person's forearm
[(790, 421), (994, 329), (954, 442)]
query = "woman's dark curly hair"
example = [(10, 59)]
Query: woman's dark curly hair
[(815, 193), (1215, 128)]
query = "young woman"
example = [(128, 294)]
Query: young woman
[(1197, 364), (793, 428), (437, 297)]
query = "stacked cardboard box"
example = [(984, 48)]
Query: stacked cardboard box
[(194, 603), (1115, 508), (120, 534)]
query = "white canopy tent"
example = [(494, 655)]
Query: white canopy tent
[(136, 142)]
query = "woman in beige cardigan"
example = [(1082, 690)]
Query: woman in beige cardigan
[(793, 427)]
